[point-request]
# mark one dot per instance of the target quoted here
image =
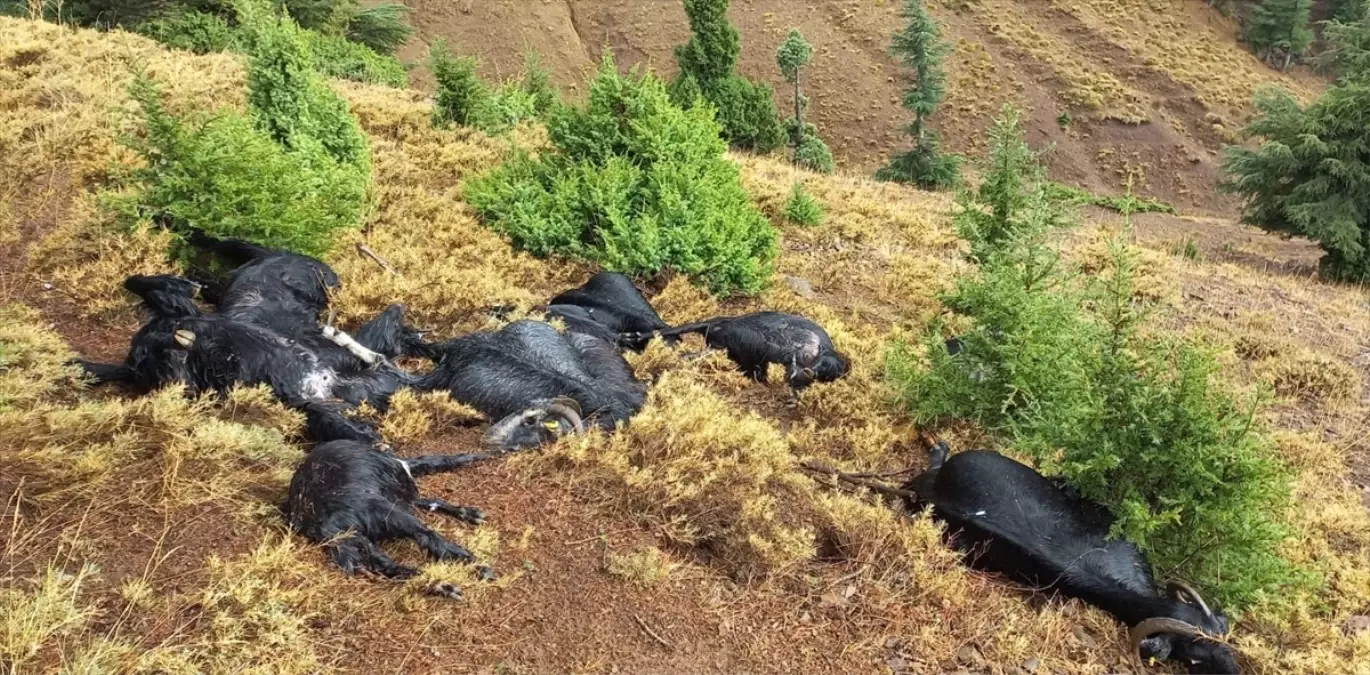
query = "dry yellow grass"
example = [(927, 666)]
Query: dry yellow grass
[(710, 466)]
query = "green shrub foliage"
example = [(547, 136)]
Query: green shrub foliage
[(1310, 175), (294, 104), (194, 31), (381, 27), (1279, 30), (466, 100), (227, 176), (336, 56), (636, 184), (1059, 369), (708, 63), (802, 209)]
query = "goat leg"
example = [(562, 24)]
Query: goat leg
[(426, 464), (468, 514), (357, 554), (345, 341)]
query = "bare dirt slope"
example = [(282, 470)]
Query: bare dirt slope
[(1153, 88), (140, 534)]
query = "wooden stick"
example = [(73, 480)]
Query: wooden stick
[(366, 251), (660, 640), (856, 480)]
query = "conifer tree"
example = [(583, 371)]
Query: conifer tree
[(1280, 26), (808, 150), (919, 47), (708, 65), (1311, 174)]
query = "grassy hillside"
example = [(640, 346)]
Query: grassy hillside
[(140, 534), (1152, 87)]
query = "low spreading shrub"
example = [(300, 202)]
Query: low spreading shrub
[(195, 31), (634, 183), (336, 56)]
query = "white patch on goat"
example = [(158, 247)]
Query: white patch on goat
[(981, 512), (318, 384), (409, 473)]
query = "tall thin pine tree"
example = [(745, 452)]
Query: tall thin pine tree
[(919, 47)]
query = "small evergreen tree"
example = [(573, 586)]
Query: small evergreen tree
[(1280, 26), (920, 48), (1348, 11), (801, 208), (537, 83), (807, 149), (460, 90), (381, 27), (1311, 174), (708, 64)]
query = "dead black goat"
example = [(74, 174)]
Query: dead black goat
[(1010, 519), (534, 383), (753, 341), (212, 353), (350, 498), (608, 305)]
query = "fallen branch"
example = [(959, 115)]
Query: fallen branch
[(856, 479), (366, 251), (660, 640)]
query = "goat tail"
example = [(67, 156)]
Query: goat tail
[(105, 373)]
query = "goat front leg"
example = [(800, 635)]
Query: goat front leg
[(407, 525), (426, 464), (468, 514)]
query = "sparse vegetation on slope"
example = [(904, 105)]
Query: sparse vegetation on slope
[(883, 590)]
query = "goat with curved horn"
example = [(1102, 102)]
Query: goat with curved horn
[(1012, 520)]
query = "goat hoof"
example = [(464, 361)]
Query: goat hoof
[(484, 573), (184, 338), (472, 515)]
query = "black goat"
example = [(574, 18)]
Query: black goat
[(755, 340), (350, 497), (1010, 519), (287, 292), (610, 300), (536, 383), (211, 353)]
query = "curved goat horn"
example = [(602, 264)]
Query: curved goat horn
[(1176, 588), (1161, 624), (568, 408)]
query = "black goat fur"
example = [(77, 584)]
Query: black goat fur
[(755, 340), (351, 497), (610, 300), (1009, 519), (528, 363)]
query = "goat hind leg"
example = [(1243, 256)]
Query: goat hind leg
[(407, 525), (468, 514), (357, 554)]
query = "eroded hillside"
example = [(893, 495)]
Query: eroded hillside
[(141, 536), (1153, 88)]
